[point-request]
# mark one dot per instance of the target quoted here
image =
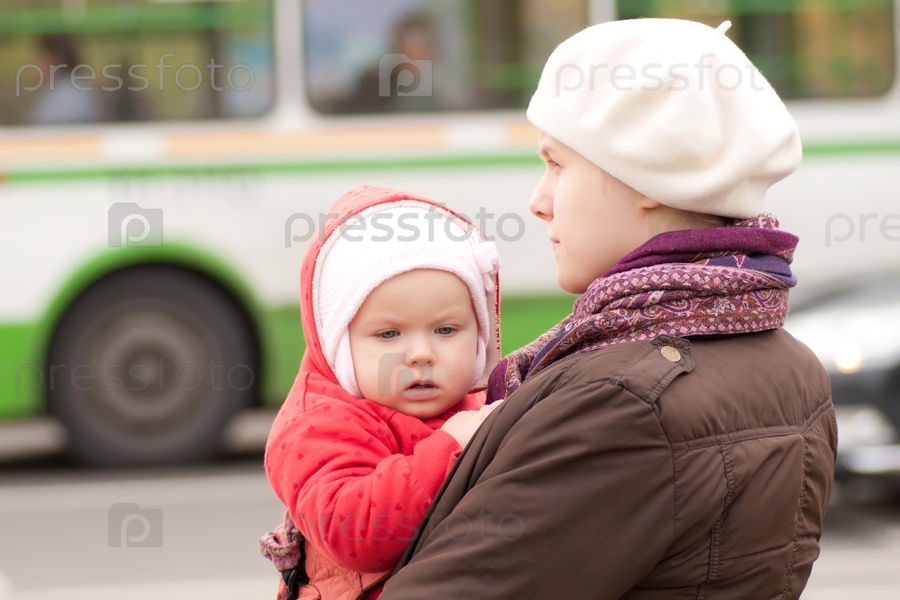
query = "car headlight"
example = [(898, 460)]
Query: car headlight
[(848, 356)]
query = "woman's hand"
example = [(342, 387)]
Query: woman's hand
[(463, 425)]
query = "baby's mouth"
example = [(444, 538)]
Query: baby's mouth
[(421, 390)]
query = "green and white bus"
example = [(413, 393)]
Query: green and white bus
[(162, 163)]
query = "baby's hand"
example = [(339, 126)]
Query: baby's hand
[(463, 425)]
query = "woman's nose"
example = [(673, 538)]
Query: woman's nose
[(541, 203)]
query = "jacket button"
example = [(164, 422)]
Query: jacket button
[(670, 353)]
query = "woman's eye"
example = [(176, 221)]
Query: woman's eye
[(388, 335), (444, 330)]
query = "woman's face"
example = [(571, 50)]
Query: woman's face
[(593, 219)]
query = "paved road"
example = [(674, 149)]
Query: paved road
[(57, 525), (860, 553), (59, 529)]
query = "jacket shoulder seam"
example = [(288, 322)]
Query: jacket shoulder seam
[(743, 435), (685, 364), (715, 534), (789, 575)]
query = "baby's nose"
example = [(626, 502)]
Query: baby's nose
[(420, 352)]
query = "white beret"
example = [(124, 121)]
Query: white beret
[(673, 109)]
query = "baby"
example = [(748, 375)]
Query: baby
[(400, 309)]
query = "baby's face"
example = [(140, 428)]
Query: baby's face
[(414, 343)]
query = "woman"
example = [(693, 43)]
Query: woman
[(668, 439)]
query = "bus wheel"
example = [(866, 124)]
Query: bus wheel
[(148, 366)]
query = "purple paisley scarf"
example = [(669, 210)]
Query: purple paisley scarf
[(720, 280)]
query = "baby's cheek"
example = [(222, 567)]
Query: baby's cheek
[(463, 372), (366, 377)]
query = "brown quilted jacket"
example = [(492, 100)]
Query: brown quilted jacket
[(639, 472)]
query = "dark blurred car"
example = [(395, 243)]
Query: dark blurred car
[(854, 329)]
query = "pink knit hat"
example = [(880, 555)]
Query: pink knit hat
[(386, 240)]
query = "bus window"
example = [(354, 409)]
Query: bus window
[(80, 61), (805, 48), (426, 55)]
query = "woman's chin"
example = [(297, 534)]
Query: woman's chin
[(570, 284)]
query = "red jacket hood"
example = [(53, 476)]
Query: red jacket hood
[(352, 202)]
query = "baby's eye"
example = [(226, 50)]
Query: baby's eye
[(389, 334), (447, 330)]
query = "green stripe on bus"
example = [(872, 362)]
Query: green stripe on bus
[(630, 9), (316, 166), (524, 318), (324, 166), (129, 19), (886, 147), (19, 374)]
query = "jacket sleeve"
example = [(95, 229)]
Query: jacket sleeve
[(348, 491), (574, 498)]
